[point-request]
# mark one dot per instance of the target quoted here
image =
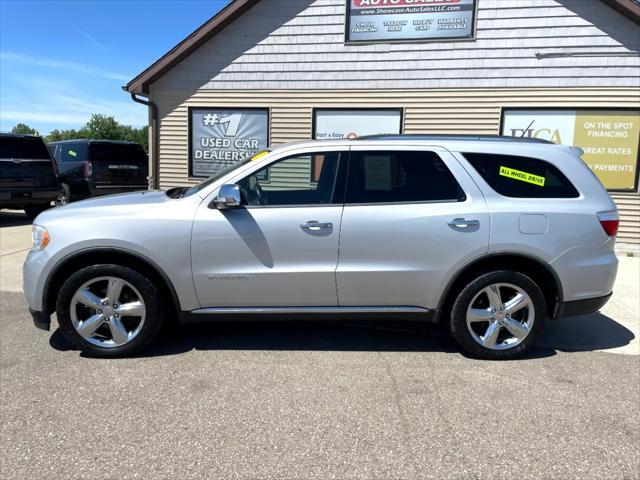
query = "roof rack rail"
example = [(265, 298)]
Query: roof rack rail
[(491, 138)]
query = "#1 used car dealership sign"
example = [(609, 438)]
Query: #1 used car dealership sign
[(220, 137), (389, 20)]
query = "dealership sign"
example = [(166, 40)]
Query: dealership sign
[(401, 20), (609, 138), (332, 124), (220, 137)]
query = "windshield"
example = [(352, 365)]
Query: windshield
[(225, 171)]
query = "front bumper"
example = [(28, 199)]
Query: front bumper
[(35, 270), (583, 307), (31, 271), (41, 320)]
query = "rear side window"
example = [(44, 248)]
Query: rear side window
[(72, 152), (121, 152), (32, 148), (400, 176), (521, 177)]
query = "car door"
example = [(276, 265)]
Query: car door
[(280, 248), (412, 217)]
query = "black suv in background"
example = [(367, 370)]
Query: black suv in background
[(27, 174), (88, 168)]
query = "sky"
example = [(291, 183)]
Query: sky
[(61, 61)]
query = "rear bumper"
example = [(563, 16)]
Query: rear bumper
[(41, 320), (18, 197), (583, 307)]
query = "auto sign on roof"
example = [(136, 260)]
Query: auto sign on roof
[(401, 20)]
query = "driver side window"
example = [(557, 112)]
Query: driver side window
[(307, 179)]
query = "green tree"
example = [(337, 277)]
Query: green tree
[(102, 127), (137, 135), (24, 129), (58, 135)]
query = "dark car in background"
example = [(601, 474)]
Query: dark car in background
[(27, 174), (90, 168)]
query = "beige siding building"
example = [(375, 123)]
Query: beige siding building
[(567, 70)]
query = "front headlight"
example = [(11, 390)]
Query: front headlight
[(40, 237)]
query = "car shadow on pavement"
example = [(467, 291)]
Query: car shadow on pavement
[(13, 219), (360, 336), (585, 333)]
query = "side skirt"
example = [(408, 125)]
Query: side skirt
[(214, 314)]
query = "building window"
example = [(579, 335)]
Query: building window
[(333, 124), (219, 137), (609, 138)]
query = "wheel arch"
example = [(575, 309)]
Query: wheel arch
[(539, 271), (107, 255)]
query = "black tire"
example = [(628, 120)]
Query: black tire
[(64, 197), (458, 321), (154, 317), (33, 211)]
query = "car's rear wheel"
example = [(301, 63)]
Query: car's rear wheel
[(109, 310), (64, 196), (498, 315)]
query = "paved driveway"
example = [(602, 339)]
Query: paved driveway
[(312, 400)]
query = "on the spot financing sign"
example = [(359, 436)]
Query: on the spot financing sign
[(609, 138), (221, 137), (389, 20)]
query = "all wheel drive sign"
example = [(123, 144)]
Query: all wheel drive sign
[(220, 137), (389, 20)]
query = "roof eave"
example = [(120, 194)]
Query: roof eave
[(629, 9)]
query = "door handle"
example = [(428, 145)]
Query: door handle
[(315, 226), (464, 223)]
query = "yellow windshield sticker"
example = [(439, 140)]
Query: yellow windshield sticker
[(72, 153), (522, 176), (259, 155)]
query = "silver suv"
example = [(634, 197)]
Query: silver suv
[(489, 235)]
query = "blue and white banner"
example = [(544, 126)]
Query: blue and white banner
[(221, 137)]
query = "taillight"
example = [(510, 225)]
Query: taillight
[(87, 169), (610, 222)]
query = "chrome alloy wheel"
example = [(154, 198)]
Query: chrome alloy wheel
[(62, 199), (107, 311), (500, 316)]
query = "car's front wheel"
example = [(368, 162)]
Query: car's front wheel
[(498, 315), (109, 310)]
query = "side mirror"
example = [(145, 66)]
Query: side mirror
[(228, 197)]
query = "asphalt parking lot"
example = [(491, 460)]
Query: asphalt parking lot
[(318, 400)]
